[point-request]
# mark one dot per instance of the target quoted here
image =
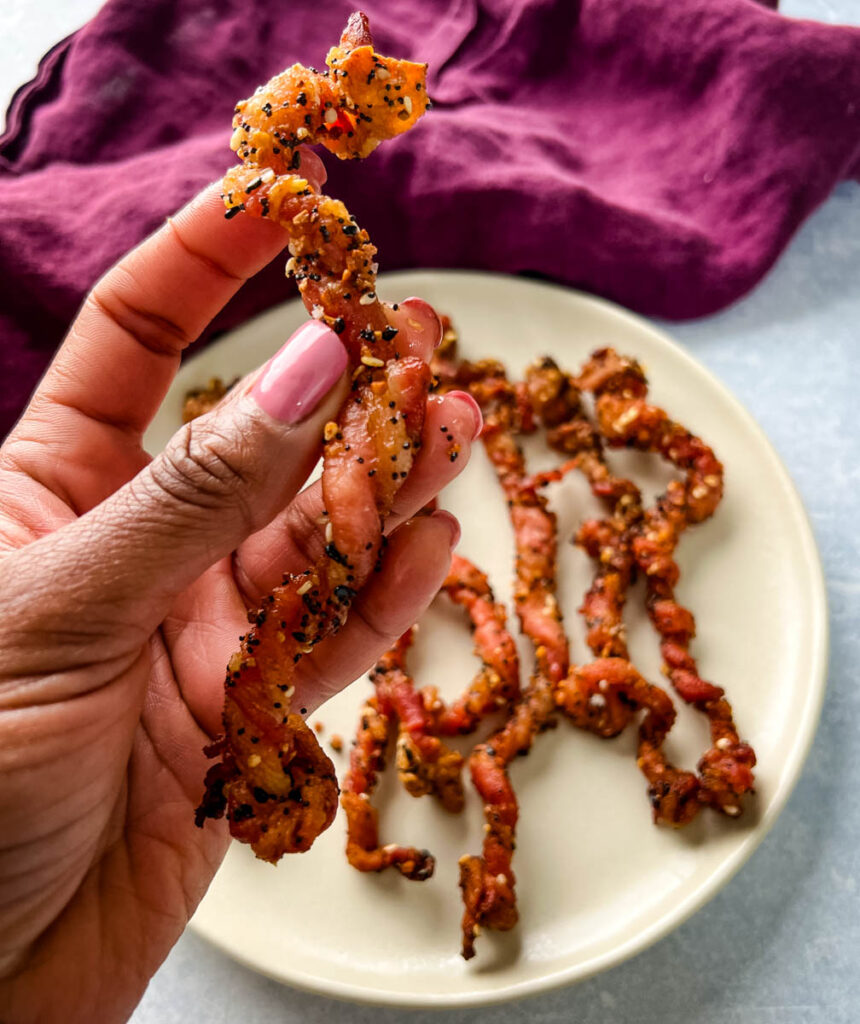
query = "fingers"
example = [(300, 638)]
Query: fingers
[(453, 423), (222, 477), (295, 538), (416, 562), (112, 371), (419, 325), (312, 168)]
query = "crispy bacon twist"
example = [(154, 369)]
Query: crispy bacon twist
[(366, 762), (425, 764), (497, 683), (487, 881), (603, 696), (277, 786), (626, 419), (556, 403)]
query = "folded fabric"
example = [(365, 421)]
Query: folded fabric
[(660, 154)]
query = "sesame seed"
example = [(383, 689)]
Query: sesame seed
[(367, 299), (254, 760), (372, 361)]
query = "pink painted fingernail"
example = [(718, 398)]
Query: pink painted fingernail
[(425, 315), (443, 516), (474, 409), (301, 374)]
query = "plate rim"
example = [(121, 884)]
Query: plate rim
[(818, 632)]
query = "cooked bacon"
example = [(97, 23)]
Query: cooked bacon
[(487, 881), (497, 682), (425, 764), (556, 403), (366, 762), (603, 696), (626, 419), (275, 783)]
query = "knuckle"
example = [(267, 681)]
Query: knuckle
[(204, 468)]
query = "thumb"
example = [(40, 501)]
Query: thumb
[(222, 477)]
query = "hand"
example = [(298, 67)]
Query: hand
[(124, 585)]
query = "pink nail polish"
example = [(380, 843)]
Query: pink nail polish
[(426, 315), (441, 515), (474, 409), (301, 374)]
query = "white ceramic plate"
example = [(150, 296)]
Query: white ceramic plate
[(597, 881)]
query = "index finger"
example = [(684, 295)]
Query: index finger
[(111, 373)]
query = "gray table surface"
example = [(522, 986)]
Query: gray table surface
[(781, 943)]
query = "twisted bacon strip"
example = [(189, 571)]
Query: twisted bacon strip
[(277, 786), (556, 404), (487, 881), (626, 419), (366, 762), (497, 682), (424, 763), (603, 696)]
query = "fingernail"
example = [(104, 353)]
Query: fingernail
[(442, 516), (311, 167), (466, 399), (425, 316), (302, 373)]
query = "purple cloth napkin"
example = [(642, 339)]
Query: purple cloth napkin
[(660, 154)]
